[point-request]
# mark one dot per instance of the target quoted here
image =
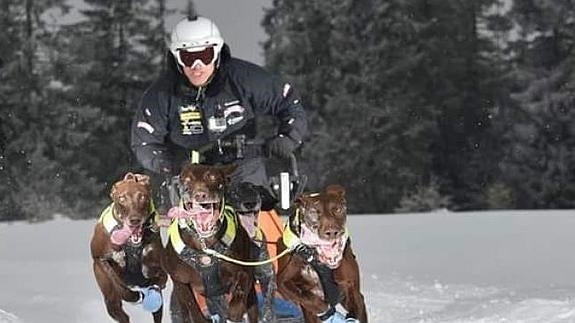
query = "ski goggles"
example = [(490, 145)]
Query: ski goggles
[(206, 56)]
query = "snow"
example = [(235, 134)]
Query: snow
[(512, 266)]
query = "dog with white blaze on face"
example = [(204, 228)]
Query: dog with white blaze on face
[(126, 250)]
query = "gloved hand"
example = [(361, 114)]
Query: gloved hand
[(331, 316), (306, 252), (166, 168), (281, 146)]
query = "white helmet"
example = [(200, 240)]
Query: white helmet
[(195, 34)]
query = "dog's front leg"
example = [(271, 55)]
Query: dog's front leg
[(297, 288), (242, 298), (152, 267), (266, 276), (347, 277), (112, 298), (187, 303)]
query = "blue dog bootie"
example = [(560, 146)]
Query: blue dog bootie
[(336, 317), (152, 298)]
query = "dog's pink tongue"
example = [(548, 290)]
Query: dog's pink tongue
[(203, 219), (178, 213), (329, 250), (120, 236), (249, 225)]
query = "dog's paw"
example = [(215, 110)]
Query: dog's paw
[(119, 257), (267, 316), (151, 298)]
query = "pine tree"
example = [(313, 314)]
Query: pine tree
[(399, 92), (118, 50), (369, 128), (540, 162), (464, 79), (30, 185)]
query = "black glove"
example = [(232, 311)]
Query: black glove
[(282, 146), (307, 253), (166, 168)]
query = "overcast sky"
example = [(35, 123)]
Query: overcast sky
[(238, 21)]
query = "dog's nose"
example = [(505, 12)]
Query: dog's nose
[(134, 221), (251, 206), (200, 196), (332, 233)]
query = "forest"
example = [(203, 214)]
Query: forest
[(413, 105)]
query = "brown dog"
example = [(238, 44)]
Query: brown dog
[(126, 250), (202, 224), (322, 272)]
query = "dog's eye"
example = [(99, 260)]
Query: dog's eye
[(338, 210), (206, 205), (313, 213)]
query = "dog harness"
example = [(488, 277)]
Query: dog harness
[(206, 264), (132, 273)]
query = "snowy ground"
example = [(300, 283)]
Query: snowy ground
[(438, 267)]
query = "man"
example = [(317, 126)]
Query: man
[(206, 102), (207, 98)]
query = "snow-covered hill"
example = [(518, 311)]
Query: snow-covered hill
[(436, 267)]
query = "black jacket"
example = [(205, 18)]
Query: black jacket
[(174, 117)]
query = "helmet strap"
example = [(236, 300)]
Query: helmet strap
[(217, 62)]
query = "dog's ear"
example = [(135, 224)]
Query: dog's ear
[(304, 200), (227, 170), (113, 191), (336, 190), (130, 177), (141, 178)]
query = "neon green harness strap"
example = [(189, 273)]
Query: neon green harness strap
[(195, 157), (107, 218)]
